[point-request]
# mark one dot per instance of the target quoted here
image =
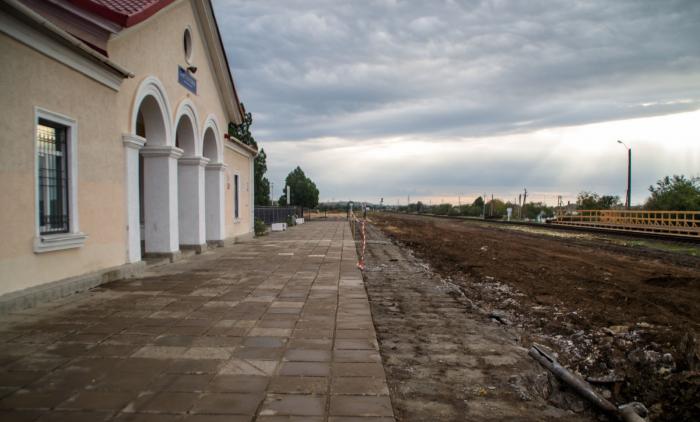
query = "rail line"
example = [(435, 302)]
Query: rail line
[(619, 231)]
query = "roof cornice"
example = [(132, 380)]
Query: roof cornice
[(37, 21)]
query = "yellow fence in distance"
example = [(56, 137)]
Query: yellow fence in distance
[(677, 223)]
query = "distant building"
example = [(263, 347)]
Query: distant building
[(113, 136)]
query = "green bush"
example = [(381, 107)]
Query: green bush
[(260, 227), (291, 220)]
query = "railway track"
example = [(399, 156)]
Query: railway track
[(581, 228)]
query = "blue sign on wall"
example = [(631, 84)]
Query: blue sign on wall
[(186, 80)]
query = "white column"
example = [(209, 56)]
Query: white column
[(190, 171), (251, 204), (215, 202), (160, 198), (132, 145)]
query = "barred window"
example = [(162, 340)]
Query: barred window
[(52, 160)]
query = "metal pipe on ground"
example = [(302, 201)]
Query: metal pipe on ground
[(627, 413)]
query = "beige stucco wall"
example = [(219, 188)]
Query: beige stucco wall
[(237, 163), (153, 48), (31, 80)]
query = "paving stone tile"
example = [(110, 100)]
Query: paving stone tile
[(148, 417), (37, 363), (313, 333), (173, 340), (20, 415), (164, 402), (355, 334), (270, 332), (228, 403), (249, 367), (294, 405), (19, 378), (75, 416), (354, 369), (217, 341), (160, 352), (194, 366), (355, 344), (260, 353), (123, 381), (273, 342), (311, 344), (360, 406), (306, 369), (208, 353), (298, 385), (356, 356), (218, 418), (238, 384), (359, 386), (276, 323), (180, 382), (27, 399), (305, 355), (97, 400), (187, 330), (141, 365), (111, 350)]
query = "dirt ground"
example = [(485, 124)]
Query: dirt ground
[(625, 318)]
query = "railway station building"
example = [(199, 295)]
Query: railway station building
[(114, 121)]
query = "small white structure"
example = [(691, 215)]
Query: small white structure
[(299, 221), (279, 227)]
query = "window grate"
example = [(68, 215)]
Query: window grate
[(52, 156)]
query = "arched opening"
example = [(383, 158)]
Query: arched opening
[(190, 180), (151, 175), (157, 235), (214, 188)]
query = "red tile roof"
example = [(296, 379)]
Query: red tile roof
[(123, 12)]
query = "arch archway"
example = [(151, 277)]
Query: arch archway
[(214, 198), (151, 176), (190, 174)]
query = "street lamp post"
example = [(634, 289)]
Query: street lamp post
[(628, 200)]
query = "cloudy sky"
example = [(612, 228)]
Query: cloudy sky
[(447, 99)]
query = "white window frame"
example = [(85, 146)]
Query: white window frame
[(74, 238), (236, 196)]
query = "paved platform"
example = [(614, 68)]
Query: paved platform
[(276, 329)]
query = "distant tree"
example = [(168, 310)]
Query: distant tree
[(442, 209), (478, 202), (243, 134), (675, 193), (532, 210), (304, 192), (262, 185), (471, 210), (593, 201), (496, 208)]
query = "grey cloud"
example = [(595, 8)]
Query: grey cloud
[(310, 69), (363, 71)]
